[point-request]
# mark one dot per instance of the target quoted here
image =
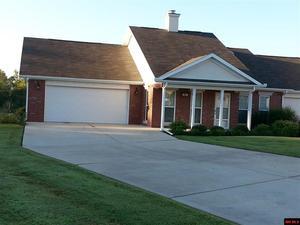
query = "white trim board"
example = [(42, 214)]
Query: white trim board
[(61, 78), (140, 59), (205, 58), (209, 84), (86, 85)]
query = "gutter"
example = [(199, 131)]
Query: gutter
[(70, 79), (191, 83), (285, 91)]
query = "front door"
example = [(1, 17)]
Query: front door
[(226, 110)]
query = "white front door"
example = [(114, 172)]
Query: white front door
[(226, 110)]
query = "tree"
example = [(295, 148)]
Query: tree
[(12, 92), (3, 79), (17, 92), (4, 89), (15, 82)]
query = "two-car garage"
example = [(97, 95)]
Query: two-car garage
[(71, 102), (74, 81)]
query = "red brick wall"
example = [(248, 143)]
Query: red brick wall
[(275, 101), (36, 100), (136, 104), (234, 109), (183, 106), (255, 102), (208, 108), (154, 101), (182, 111)]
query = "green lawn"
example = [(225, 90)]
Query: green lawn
[(278, 145), (35, 189)]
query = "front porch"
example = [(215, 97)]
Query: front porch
[(210, 106)]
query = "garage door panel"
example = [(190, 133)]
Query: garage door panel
[(73, 104)]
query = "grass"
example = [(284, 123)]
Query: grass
[(277, 145), (35, 189)]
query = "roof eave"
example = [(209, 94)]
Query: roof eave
[(71, 79), (211, 84)]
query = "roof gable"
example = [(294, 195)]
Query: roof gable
[(209, 68), (166, 50)]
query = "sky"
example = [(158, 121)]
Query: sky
[(270, 27)]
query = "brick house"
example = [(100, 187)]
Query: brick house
[(156, 77)]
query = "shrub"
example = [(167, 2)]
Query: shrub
[(240, 130), (273, 115), (8, 118), (229, 132), (262, 130), (285, 128), (20, 115), (199, 130), (282, 114), (260, 117), (217, 131), (178, 127)]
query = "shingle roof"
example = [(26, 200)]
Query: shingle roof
[(58, 58), (276, 71), (165, 50)]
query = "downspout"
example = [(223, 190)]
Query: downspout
[(282, 98), (162, 112), (26, 106)]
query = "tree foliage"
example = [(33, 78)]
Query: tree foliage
[(12, 92)]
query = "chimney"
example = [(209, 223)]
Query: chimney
[(172, 21)]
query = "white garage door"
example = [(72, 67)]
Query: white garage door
[(293, 103), (78, 104)]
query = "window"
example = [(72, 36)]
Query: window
[(198, 108), (243, 108), (169, 105), (243, 102), (264, 103)]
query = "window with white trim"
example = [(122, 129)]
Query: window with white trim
[(198, 108), (170, 105), (264, 103), (243, 102)]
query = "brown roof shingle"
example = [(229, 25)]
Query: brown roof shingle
[(276, 71), (165, 50), (58, 58)]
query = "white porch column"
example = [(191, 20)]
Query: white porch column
[(249, 111), (162, 114), (221, 107), (193, 107)]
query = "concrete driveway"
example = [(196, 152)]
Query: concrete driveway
[(242, 186)]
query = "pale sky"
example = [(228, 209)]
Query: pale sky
[(264, 26)]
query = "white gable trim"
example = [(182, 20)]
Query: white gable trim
[(204, 58), (140, 59)]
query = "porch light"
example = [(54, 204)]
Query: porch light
[(136, 91), (37, 84)]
